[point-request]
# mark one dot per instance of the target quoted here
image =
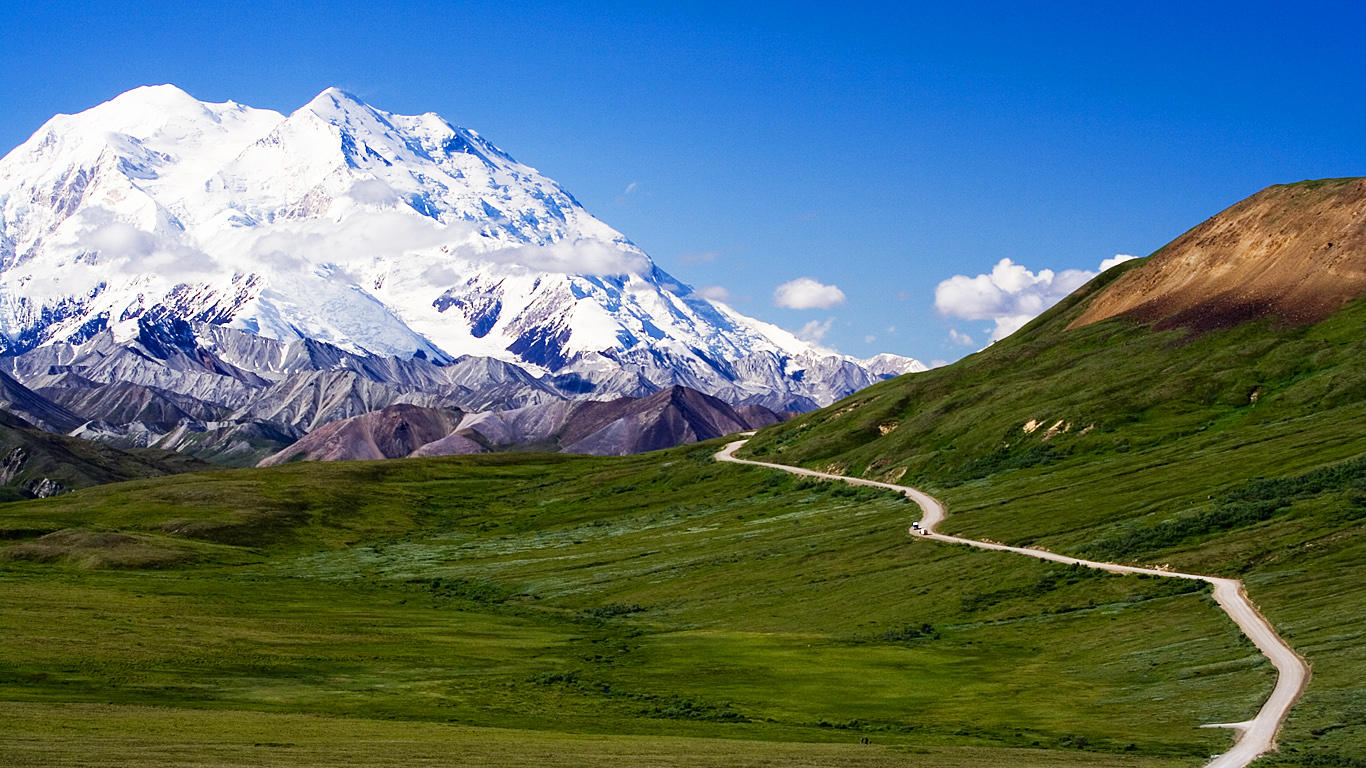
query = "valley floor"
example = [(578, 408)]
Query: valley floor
[(61, 736), (619, 606)]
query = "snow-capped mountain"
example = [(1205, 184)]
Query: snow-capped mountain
[(379, 235)]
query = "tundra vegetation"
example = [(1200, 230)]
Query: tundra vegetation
[(1235, 452), (636, 606)]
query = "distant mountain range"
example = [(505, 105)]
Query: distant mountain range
[(670, 417), (35, 463), (255, 275)]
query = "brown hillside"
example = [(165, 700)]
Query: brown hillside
[(388, 433), (1296, 251)]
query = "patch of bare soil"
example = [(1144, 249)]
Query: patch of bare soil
[(1293, 251)]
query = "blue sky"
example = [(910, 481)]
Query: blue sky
[(882, 149)]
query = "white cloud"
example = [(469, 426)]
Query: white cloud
[(132, 251), (714, 293), (437, 274), (580, 257), (118, 239), (869, 339), (937, 363), (891, 329), (1118, 258), (960, 338), (624, 197), (294, 245), (1010, 296), (374, 191), (805, 293), (392, 233), (815, 330)]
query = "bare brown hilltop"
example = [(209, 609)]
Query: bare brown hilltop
[(1295, 251)]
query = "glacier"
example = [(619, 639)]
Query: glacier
[(370, 235)]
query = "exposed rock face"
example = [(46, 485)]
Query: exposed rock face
[(1294, 251), (34, 408), (168, 356), (12, 463), (125, 403), (233, 444), (312, 399), (670, 417), (389, 433), (758, 417), (450, 445)]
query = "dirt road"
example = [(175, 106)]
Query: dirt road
[(1256, 736)]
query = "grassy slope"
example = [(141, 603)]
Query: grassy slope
[(72, 462), (1179, 430), (658, 597), (44, 736)]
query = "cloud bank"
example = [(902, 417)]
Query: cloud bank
[(714, 293), (295, 244), (814, 330), (1010, 295), (579, 257), (128, 250), (805, 293)]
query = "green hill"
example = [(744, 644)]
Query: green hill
[(35, 463), (1230, 450)]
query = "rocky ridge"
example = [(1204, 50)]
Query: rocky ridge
[(670, 417)]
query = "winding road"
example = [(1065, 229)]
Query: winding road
[(1256, 736)]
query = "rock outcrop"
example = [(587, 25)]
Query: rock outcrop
[(670, 417)]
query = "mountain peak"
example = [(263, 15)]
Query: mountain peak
[(137, 112), (381, 234), (333, 98), (163, 92), (343, 108)]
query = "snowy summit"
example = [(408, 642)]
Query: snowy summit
[(379, 234)]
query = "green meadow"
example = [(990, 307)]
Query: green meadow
[(656, 609)]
